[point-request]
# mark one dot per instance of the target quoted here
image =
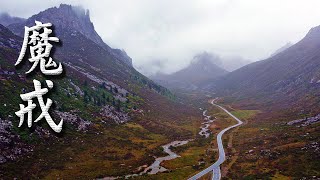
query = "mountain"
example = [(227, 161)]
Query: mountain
[(6, 19), (285, 89), (78, 36), (112, 114), (290, 77), (202, 69), (78, 21), (86, 58)]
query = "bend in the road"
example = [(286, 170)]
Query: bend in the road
[(215, 168)]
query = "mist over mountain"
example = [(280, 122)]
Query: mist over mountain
[(6, 19), (203, 68), (77, 21), (232, 63), (119, 124), (157, 67), (290, 77), (81, 50), (98, 91), (134, 28)]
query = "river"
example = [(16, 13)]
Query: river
[(156, 167)]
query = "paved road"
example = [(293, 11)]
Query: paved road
[(215, 168)]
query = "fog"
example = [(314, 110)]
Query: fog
[(165, 35)]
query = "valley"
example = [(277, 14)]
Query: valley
[(217, 117)]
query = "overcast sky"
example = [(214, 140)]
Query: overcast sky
[(165, 34)]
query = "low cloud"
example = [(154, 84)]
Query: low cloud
[(165, 35)]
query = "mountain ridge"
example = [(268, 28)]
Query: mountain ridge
[(284, 77), (99, 97), (78, 21)]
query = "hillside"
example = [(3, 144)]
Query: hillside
[(277, 98), (290, 77), (112, 113)]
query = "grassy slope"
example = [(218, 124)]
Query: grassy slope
[(275, 148), (106, 149)]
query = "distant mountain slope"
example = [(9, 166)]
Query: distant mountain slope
[(202, 69), (6, 19), (289, 76)]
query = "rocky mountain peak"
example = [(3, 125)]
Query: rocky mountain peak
[(71, 19), (67, 17)]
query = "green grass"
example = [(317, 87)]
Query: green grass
[(245, 114)]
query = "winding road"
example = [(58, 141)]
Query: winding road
[(215, 168)]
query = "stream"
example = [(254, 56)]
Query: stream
[(156, 167), (204, 129)]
